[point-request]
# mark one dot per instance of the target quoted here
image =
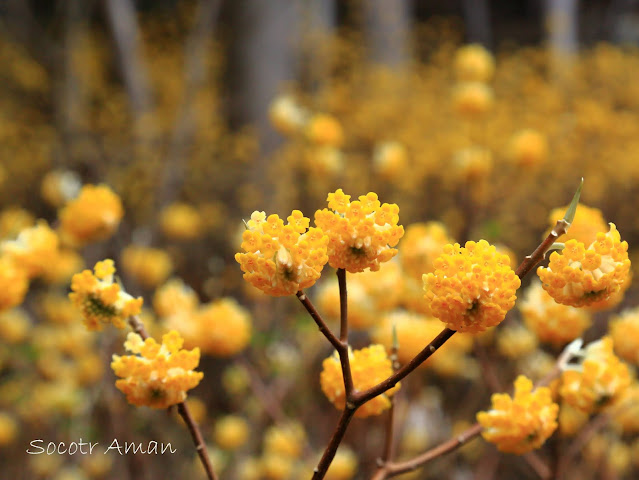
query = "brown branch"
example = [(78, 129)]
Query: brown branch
[(538, 255), (323, 327), (333, 444), (200, 446), (138, 327), (343, 334), (359, 398)]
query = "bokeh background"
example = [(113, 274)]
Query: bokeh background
[(197, 113)]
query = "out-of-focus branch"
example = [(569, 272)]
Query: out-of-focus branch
[(195, 52), (124, 27)]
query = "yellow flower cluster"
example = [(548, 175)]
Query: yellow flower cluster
[(599, 381), (149, 266), (173, 298), (624, 331), (472, 287), (160, 374), (100, 300), (33, 250), (580, 276), (552, 322), (60, 186), (528, 148), (181, 221), (282, 259), (13, 284), (520, 423), (473, 63), (222, 328), (94, 215), (231, 432), (369, 366), (362, 233)]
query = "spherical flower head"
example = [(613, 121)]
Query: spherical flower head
[(599, 381), (285, 440), (158, 375), (521, 423), (60, 186), (362, 233), (515, 341), (174, 297), (33, 250), (390, 159), (552, 322), (15, 326), (13, 220), (286, 115), (149, 266), (473, 63), (343, 466), (223, 328), (323, 161), (626, 414), (473, 163), (472, 99), (369, 366), (421, 245), (181, 221), (282, 259), (580, 276), (528, 148), (94, 215), (624, 331), (324, 129), (100, 300), (472, 287), (588, 222), (14, 283), (231, 432)]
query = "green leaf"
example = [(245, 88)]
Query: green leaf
[(572, 208)]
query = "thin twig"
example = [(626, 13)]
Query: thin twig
[(540, 252), (138, 327), (333, 444), (359, 398), (323, 327), (343, 334)]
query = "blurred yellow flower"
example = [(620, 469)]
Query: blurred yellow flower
[(60, 186), (520, 423), (472, 99), (421, 245), (282, 259), (588, 222), (552, 322), (624, 331), (285, 440), (390, 160), (343, 466), (324, 129), (160, 374), (33, 250), (14, 326), (599, 381), (174, 297), (94, 215), (286, 115), (361, 233), (472, 163), (181, 221), (472, 287), (473, 63), (100, 300), (580, 276), (13, 220), (528, 148), (369, 366), (13, 283), (148, 266), (231, 432)]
